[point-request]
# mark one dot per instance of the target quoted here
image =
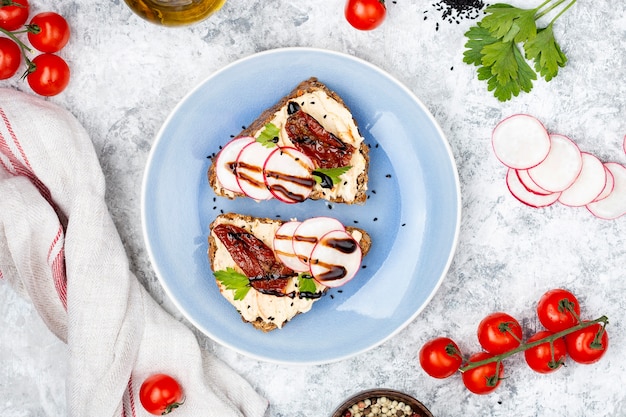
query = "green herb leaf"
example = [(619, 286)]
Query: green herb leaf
[(233, 280), (546, 53), (328, 177), (495, 43), (269, 135), (510, 23), (306, 284)]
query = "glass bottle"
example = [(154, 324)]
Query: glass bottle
[(174, 12)]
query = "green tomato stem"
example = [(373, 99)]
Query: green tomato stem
[(548, 339)]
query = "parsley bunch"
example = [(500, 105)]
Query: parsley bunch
[(506, 39)]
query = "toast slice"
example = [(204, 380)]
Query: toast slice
[(318, 102), (266, 311)]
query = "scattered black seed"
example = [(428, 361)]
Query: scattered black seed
[(453, 11), (291, 305), (375, 219), (373, 191), (270, 318), (403, 224), (324, 116), (451, 68), (330, 207), (363, 266), (339, 291), (345, 183), (332, 297), (302, 103), (312, 103), (214, 207), (388, 176), (232, 136), (356, 222), (220, 147), (222, 211), (377, 145), (243, 127)]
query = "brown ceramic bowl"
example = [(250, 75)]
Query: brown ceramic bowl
[(417, 407)]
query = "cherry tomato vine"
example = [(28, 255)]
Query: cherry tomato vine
[(583, 341), (48, 32)]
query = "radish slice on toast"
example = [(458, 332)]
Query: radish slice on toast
[(226, 160), (309, 232), (520, 141), (283, 246), (560, 168), (588, 185), (249, 170), (287, 173), (614, 205), (335, 259), (519, 191)]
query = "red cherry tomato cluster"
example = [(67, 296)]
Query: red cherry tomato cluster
[(160, 394), (48, 32), (500, 336)]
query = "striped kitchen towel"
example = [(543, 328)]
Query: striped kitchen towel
[(59, 246)]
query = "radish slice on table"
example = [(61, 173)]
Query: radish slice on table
[(614, 205), (335, 259), (283, 247), (529, 183), (588, 185), (608, 187), (309, 232), (520, 141), (249, 170), (527, 197), (225, 163), (560, 168), (288, 175)]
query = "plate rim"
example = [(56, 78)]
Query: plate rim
[(150, 160)]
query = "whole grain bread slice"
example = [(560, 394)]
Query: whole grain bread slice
[(260, 227), (309, 86)]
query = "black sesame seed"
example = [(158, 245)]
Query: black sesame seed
[(388, 176), (375, 219)]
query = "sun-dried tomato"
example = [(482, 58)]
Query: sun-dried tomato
[(255, 258), (309, 136)]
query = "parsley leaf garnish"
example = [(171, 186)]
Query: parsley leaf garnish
[(233, 280), (306, 284), (328, 177), (501, 43), (269, 135)]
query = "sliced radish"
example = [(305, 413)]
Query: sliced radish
[(608, 186), (288, 175), (520, 141), (526, 196), (249, 170), (225, 163), (335, 259), (283, 246), (529, 183), (309, 232), (614, 205), (588, 185), (560, 168)]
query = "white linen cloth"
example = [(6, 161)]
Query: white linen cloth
[(59, 246)]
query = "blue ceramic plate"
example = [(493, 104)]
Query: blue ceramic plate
[(412, 213)]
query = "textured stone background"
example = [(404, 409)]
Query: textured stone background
[(127, 75)]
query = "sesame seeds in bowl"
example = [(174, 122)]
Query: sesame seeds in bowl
[(381, 402)]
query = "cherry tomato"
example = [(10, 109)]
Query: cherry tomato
[(160, 394), (10, 58), (440, 357), (587, 345), (14, 15), (50, 76), (544, 358), (485, 378), (554, 310), (499, 333), (365, 14), (53, 34)]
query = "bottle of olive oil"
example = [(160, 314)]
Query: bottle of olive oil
[(174, 12)]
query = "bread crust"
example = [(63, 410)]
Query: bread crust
[(365, 242), (307, 86)]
